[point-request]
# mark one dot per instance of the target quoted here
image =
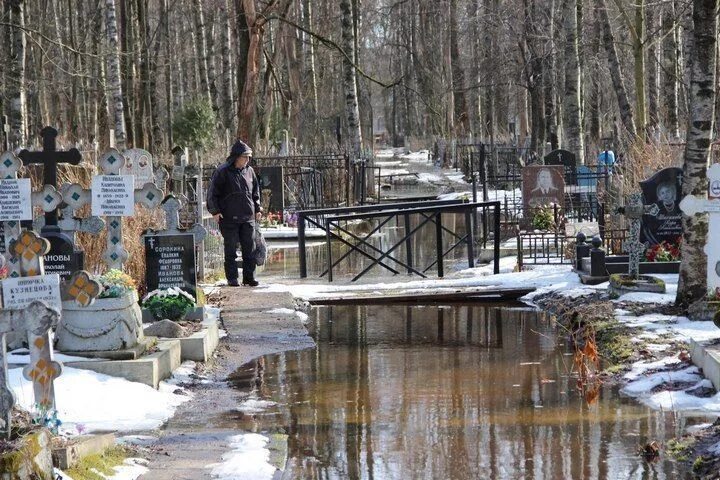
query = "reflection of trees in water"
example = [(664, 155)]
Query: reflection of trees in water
[(357, 407)]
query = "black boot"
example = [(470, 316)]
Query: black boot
[(249, 282)]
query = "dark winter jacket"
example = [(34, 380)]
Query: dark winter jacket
[(234, 192)]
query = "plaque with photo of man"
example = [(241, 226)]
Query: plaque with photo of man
[(543, 185), (664, 189)]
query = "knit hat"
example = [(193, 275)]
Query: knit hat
[(238, 149)]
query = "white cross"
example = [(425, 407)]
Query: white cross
[(692, 205)]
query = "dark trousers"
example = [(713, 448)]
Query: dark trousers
[(232, 234)]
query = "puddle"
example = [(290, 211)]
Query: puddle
[(459, 392)]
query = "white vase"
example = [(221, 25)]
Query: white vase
[(107, 324)]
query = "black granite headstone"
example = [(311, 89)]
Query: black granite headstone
[(663, 189), (62, 259), (170, 262), (560, 157), (272, 183)]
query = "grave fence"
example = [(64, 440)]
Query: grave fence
[(557, 248)]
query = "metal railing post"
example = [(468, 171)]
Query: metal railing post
[(496, 240), (408, 245), (439, 244), (301, 246), (328, 240), (470, 225)]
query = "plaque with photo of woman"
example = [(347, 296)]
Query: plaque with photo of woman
[(663, 190)]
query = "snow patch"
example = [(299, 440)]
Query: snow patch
[(249, 459)]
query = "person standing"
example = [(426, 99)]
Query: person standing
[(233, 199)]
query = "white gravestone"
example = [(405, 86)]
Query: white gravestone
[(138, 162), (692, 205), (15, 199)]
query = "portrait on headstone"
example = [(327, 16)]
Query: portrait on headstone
[(543, 185), (662, 190)]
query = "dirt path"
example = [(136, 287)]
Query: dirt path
[(197, 435)]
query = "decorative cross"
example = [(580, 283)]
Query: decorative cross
[(28, 251), (692, 205), (49, 159), (172, 206), (149, 195), (81, 288), (634, 210), (34, 321), (74, 197)]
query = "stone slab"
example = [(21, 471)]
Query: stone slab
[(707, 357), (149, 369), (31, 460), (127, 354), (67, 456), (200, 345)]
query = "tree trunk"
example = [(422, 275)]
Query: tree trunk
[(639, 70), (228, 110), (458, 75), (248, 65), (114, 82), (202, 51), (352, 110), (17, 82), (693, 266), (573, 137), (549, 83), (670, 70), (210, 61), (626, 114), (652, 72)]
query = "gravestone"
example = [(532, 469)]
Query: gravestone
[(543, 186), (635, 211), (271, 180), (560, 157), (138, 162), (565, 158), (170, 259), (693, 205), (663, 190)]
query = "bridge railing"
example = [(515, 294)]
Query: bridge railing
[(335, 223)]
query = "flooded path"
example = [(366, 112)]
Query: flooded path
[(459, 392)]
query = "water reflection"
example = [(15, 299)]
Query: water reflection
[(446, 393)]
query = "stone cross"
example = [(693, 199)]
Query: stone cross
[(149, 195), (172, 206), (33, 321), (692, 205), (28, 251), (49, 159), (634, 210)]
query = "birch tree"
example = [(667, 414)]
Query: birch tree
[(572, 115), (699, 136), (113, 76), (17, 82), (352, 111)]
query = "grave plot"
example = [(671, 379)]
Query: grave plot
[(655, 212)]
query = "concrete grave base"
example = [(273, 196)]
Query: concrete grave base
[(200, 345), (67, 456), (621, 283), (127, 354), (149, 369), (706, 356)]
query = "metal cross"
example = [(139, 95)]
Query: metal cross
[(49, 158), (81, 288), (634, 210)]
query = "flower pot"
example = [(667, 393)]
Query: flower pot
[(107, 324)]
